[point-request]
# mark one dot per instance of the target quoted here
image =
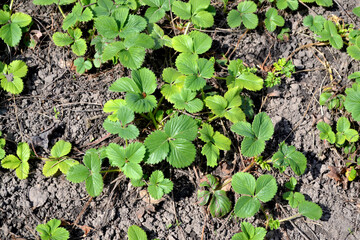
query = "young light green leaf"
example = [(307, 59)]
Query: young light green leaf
[(52, 231), (294, 198), (273, 19), (124, 131), (182, 9), (330, 33), (326, 132), (310, 210), (82, 65), (287, 155), (316, 24), (11, 34), (136, 233), (21, 19), (249, 81), (244, 14), (62, 39), (60, 149), (249, 232), (159, 185)]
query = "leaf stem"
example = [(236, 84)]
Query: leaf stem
[(61, 11), (220, 78), (187, 28), (212, 118), (158, 105), (110, 170), (290, 218), (11, 5), (151, 115)]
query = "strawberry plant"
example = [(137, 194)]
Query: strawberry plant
[(219, 204), (136, 233), (20, 162), (73, 38), (243, 77), (273, 20), (215, 142), (254, 135), (330, 33), (244, 14), (249, 232), (344, 132), (196, 70), (199, 12), (52, 231), (138, 89), (253, 193), (157, 9), (58, 159), (82, 65), (89, 172), (173, 143), (127, 159), (227, 106), (158, 185), (288, 156), (11, 76), (13, 26)]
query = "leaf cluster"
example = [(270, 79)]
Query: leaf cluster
[(20, 162), (344, 132), (13, 26), (11, 76), (52, 231)]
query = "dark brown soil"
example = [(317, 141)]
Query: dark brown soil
[(293, 107)]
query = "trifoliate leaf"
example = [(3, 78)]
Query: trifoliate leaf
[(82, 65), (159, 185), (220, 204), (126, 132), (326, 132), (292, 4), (60, 149), (186, 100), (310, 210), (316, 24), (243, 183), (136, 233), (273, 19), (266, 188), (250, 233), (244, 14), (294, 198), (287, 155), (330, 33), (51, 230), (246, 207)]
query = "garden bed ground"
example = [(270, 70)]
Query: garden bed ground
[(293, 108)]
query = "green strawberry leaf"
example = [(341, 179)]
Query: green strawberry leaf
[(159, 185), (287, 155), (136, 233), (21, 19), (11, 34), (310, 210), (52, 231), (249, 232), (265, 188), (158, 146), (330, 33), (243, 183), (326, 132), (60, 149), (354, 50), (273, 20), (294, 198), (244, 14), (292, 4), (246, 207), (82, 65)]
